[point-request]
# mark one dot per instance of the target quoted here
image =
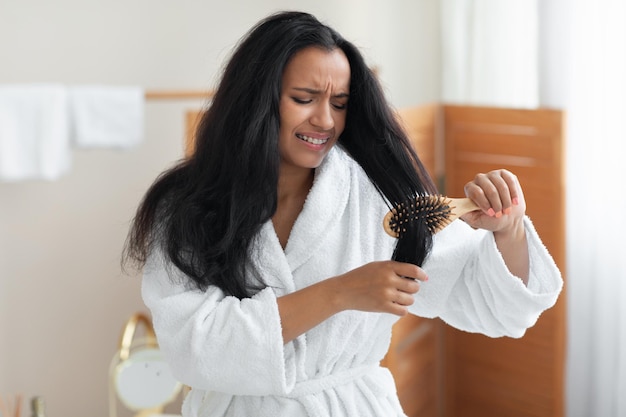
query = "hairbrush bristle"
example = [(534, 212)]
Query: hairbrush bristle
[(433, 210)]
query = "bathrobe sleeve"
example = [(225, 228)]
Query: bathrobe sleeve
[(215, 342), (470, 287)]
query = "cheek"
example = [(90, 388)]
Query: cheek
[(289, 121), (340, 123), (290, 116)]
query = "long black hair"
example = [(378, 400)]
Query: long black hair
[(205, 211)]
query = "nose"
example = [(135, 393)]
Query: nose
[(322, 117)]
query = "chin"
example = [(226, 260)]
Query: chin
[(314, 162)]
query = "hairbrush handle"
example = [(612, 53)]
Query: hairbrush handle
[(461, 206), (437, 211)]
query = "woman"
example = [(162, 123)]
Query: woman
[(266, 268)]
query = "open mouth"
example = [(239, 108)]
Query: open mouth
[(314, 141)]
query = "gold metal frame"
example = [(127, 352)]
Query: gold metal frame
[(126, 342)]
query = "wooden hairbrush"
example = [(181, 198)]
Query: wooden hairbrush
[(437, 211)]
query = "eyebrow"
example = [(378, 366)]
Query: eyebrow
[(314, 91)]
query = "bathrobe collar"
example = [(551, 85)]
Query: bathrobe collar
[(324, 206)]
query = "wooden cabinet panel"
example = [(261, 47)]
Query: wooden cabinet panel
[(510, 377), (421, 125), (192, 119), (414, 360)]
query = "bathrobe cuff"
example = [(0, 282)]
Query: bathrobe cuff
[(216, 342), (471, 288)]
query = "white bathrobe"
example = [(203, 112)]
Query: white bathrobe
[(231, 351)]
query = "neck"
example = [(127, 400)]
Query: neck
[(293, 188), (294, 182)]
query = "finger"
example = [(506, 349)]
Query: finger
[(409, 286), (476, 191), (404, 299), (499, 195), (407, 270), (515, 189), (398, 310), (494, 190)]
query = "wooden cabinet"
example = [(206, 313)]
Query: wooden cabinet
[(468, 374), (510, 377)]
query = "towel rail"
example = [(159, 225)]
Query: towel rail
[(178, 94)]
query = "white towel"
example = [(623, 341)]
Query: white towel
[(34, 132), (107, 116)]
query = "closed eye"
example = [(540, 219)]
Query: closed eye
[(301, 101), (338, 106)]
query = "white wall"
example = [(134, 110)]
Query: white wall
[(63, 298)]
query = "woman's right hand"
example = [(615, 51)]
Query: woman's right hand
[(384, 287)]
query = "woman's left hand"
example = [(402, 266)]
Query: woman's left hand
[(500, 197)]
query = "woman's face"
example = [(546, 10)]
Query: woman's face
[(313, 106)]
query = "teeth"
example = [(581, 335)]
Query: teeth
[(314, 141)]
